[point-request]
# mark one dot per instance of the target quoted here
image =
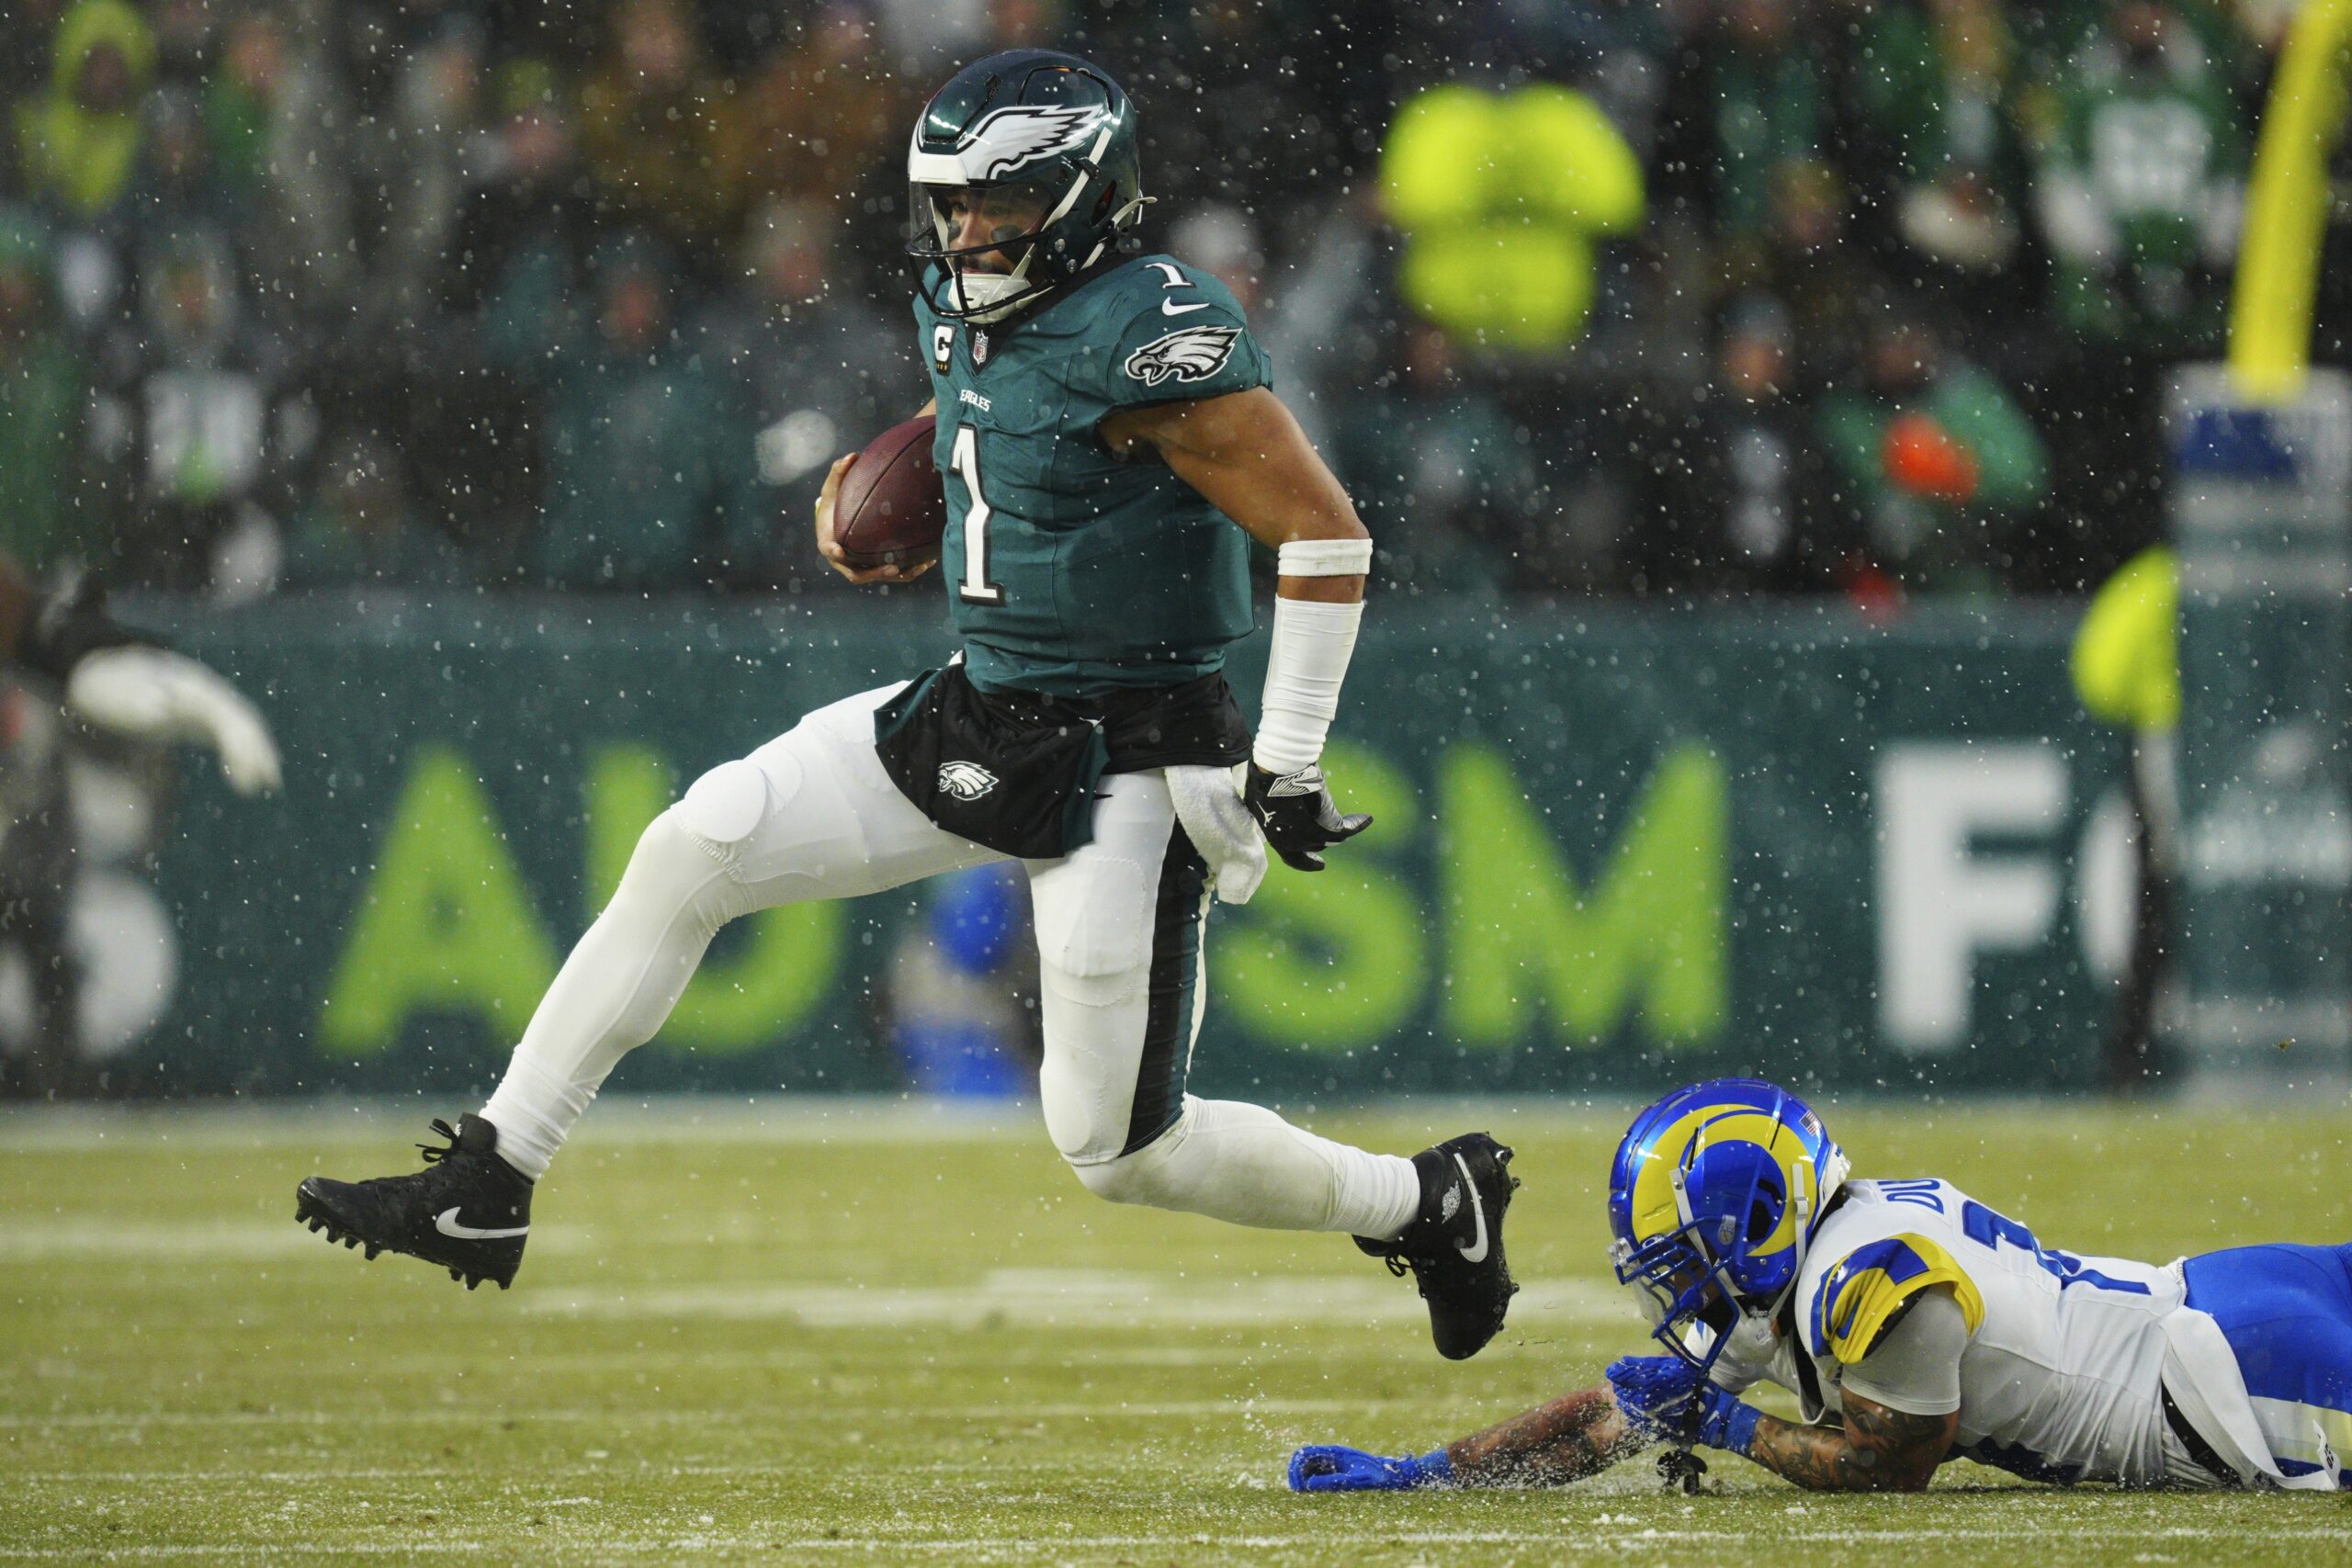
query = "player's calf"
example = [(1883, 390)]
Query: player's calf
[(1454, 1246), (467, 1209)]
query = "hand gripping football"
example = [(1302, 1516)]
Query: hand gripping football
[(890, 508)]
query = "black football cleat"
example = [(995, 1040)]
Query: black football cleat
[(467, 1209), (1455, 1248)]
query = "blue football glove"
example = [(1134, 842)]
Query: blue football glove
[(1656, 1394), (1327, 1467), (1724, 1421), (1665, 1399)]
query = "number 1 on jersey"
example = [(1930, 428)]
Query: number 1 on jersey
[(965, 459)]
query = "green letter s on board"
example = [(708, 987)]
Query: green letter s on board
[(1649, 940)]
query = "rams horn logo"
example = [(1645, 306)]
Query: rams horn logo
[(966, 781), (1196, 353), (1014, 137)]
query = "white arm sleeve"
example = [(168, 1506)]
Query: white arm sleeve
[(1915, 1366), (1312, 644)]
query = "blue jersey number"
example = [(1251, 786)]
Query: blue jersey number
[(1990, 1229)]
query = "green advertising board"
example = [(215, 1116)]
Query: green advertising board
[(1611, 849)]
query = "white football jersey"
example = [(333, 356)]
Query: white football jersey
[(2062, 1377)]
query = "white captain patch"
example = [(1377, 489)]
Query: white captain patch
[(1193, 353)]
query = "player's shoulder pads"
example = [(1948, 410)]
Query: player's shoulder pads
[(1856, 1297)]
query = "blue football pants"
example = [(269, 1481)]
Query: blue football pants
[(2287, 1310)]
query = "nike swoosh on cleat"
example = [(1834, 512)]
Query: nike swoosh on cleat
[(446, 1222), (1476, 1252), (1170, 307)]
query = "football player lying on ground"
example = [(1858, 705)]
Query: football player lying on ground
[(1913, 1325), (1103, 425)]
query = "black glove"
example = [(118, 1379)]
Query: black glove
[(1298, 814), (70, 623)]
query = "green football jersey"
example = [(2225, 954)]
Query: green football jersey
[(1067, 570)]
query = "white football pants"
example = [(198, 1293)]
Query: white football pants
[(1120, 926)]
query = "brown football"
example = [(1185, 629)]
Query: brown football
[(890, 508)]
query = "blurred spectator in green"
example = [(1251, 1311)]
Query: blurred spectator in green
[(1733, 501), (648, 452), (2142, 187), (241, 83), (362, 133), (1501, 199), (654, 128), (199, 428), (359, 527), (1931, 82), (78, 141), (821, 372), (1443, 475), (1807, 258), (42, 398), (1930, 457), (1753, 98), (179, 185)]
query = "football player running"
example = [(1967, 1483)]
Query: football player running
[(1913, 1325), (1103, 425)]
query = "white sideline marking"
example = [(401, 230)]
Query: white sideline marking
[(603, 1415), (246, 1241), (1063, 1298), (824, 1119)]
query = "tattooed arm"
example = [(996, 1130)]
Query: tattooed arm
[(1575, 1435), (1878, 1449)]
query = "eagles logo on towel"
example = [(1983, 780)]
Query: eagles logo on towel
[(966, 781), (1195, 353)]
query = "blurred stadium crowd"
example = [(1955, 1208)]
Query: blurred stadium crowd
[(1646, 297)]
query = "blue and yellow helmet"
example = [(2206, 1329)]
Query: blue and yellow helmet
[(1718, 1185)]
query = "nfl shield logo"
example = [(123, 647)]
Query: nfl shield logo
[(980, 347)]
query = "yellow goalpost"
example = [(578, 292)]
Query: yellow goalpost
[(2286, 200)]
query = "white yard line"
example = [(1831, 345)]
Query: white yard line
[(102, 1420), (758, 1119), (1062, 1298)]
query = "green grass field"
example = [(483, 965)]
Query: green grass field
[(863, 1334)]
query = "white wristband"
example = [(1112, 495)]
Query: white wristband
[(1312, 644), (1324, 558)]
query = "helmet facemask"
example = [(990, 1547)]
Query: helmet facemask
[(1000, 272), (1687, 1277), (1047, 139)]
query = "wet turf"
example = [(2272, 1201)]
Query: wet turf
[(853, 1334)]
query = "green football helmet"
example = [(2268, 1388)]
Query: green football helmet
[(1050, 140)]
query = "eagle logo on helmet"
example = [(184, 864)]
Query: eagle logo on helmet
[(1015, 137), (1195, 353), (965, 781)]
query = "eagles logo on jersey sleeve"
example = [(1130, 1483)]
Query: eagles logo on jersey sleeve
[(1182, 336), (1856, 1298)]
